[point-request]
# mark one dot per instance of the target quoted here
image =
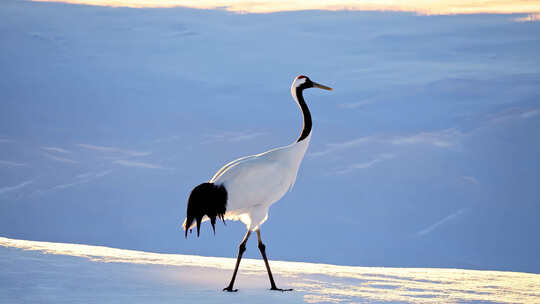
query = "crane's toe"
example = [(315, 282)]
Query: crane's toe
[(229, 289), (279, 289)]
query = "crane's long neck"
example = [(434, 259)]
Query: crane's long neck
[(306, 129)]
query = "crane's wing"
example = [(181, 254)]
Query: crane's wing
[(229, 165), (260, 179)]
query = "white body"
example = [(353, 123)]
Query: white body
[(255, 182)]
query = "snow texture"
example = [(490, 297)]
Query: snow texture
[(424, 155), (41, 272)]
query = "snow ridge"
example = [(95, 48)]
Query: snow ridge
[(203, 276)]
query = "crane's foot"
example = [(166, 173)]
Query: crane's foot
[(279, 289), (230, 289)]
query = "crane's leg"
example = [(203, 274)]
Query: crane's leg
[(241, 250), (262, 248)]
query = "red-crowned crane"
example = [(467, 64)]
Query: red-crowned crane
[(245, 188)]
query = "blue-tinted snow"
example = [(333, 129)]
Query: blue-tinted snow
[(70, 273), (425, 155)]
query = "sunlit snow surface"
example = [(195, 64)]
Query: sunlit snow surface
[(62, 273), (268, 6)]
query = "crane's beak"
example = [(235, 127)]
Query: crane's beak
[(320, 86)]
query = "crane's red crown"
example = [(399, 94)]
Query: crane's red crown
[(301, 77)]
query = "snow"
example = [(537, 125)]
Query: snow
[(44, 272), (268, 6), (425, 155)]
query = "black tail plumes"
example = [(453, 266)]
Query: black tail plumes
[(206, 199)]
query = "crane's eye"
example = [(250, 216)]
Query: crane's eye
[(300, 80)]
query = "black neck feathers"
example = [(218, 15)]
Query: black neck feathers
[(305, 113)]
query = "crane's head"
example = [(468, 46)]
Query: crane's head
[(303, 82)]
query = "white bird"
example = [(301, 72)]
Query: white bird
[(245, 188)]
